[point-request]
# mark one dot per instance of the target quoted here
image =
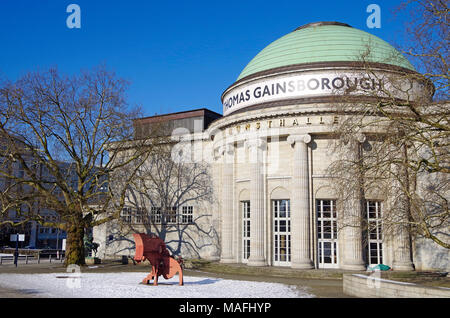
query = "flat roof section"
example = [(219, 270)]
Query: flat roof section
[(193, 120)]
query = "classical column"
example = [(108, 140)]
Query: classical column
[(402, 244), (256, 151), (227, 153), (300, 215), (402, 249), (353, 208)]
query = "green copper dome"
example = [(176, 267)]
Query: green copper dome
[(325, 42)]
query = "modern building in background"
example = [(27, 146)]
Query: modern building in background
[(273, 202), (36, 235)]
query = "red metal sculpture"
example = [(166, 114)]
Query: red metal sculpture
[(154, 249)]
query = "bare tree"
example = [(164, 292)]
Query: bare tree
[(168, 198), (59, 131), (426, 40), (405, 154)]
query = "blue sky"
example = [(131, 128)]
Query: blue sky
[(178, 55)]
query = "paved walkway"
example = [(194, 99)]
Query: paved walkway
[(13, 293), (318, 282)]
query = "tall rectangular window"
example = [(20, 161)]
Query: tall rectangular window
[(327, 235), (281, 210), (171, 216), (126, 214), (374, 233), (187, 214), (245, 205), (139, 215), (155, 215)]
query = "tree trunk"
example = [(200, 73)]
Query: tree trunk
[(75, 245)]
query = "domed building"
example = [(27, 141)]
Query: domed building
[(273, 200), (286, 100)]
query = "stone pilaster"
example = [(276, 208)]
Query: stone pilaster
[(257, 213), (227, 153), (352, 209), (300, 214)]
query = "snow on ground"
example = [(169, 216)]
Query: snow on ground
[(126, 285)]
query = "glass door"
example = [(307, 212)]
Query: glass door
[(245, 230), (281, 210), (327, 233), (375, 239)]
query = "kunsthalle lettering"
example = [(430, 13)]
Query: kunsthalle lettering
[(227, 307)]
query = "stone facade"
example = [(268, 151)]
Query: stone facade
[(287, 159)]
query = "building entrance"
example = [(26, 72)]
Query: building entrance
[(281, 232)]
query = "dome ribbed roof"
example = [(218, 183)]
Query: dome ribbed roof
[(325, 42)]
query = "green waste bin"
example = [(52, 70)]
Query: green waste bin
[(379, 267)]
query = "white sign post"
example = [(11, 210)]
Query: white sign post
[(16, 238)]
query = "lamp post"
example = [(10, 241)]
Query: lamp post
[(16, 252), (57, 243)]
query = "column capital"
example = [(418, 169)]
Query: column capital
[(220, 150), (360, 137), (293, 139), (226, 149), (216, 153), (357, 137), (258, 142)]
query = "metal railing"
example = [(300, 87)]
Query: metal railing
[(50, 257)]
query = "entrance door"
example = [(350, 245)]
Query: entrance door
[(375, 239), (327, 233), (245, 205), (281, 232)]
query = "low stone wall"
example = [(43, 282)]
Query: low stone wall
[(372, 286)]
